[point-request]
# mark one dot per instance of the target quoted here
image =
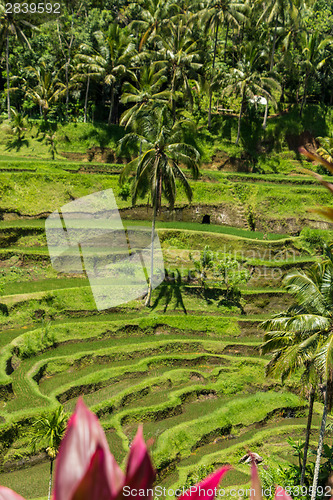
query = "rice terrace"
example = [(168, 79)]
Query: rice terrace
[(203, 361)]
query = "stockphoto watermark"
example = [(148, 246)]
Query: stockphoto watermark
[(269, 263), (87, 235), (162, 491), (277, 491)]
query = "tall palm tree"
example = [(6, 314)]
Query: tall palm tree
[(273, 11), (153, 19), (159, 166), (48, 89), (303, 336), (48, 431), (289, 355), (313, 58), (217, 13), (145, 93), (11, 25), (179, 51), (247, 81), (87, 69), (114, 57)]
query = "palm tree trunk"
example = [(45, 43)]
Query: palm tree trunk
[(320, 448), (173, 107), (304, 94), (150, 287), (8, 81), (264, 123), (213, 66), (158, 195), (68, 64), (67, 91), (274, 44), (239, 121), (50, 481), (111, 105), (307, 437), (225, 43), (86, 100)]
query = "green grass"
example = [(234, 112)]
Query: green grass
[(36, 193), (180, 439), (30, 482), (211, 228)]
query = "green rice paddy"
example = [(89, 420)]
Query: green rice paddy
[(195, 381)]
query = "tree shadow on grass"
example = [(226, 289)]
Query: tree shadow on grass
[(17, 144), (171, 289)]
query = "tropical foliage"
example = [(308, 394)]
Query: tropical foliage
[(301, 338), (99, 65)]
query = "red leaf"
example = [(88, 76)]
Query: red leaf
[(84, 434), (255, 492), (94, 485), (140, 473), (206, 489)]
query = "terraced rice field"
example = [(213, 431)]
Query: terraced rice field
[(196, 381)]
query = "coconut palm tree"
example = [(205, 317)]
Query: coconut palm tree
[(289, 356), (87, 69), (11, 25), (146, 92), (217, 13), (273, 11), (153, 18), (179, 51), (246, 82), (113, 61), (158, 167), (302, 337), (48, 431), (48, 89), (18, 124), (313, 58)]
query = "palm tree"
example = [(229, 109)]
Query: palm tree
[(313, 58), (87, 69), (272, 12), (18, 124), (158, 166), (48, 88), (288, 349), (11, 25), (153, 18), (113, 60), (146, 92), (179, 51), (218, 13), (247, 81), (302, 337), (48, 431)]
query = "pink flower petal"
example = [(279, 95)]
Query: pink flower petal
[(205, 490), (280, 494), (255, 492), (140, 473), (8, 494), (94, 485), (83, 435)]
